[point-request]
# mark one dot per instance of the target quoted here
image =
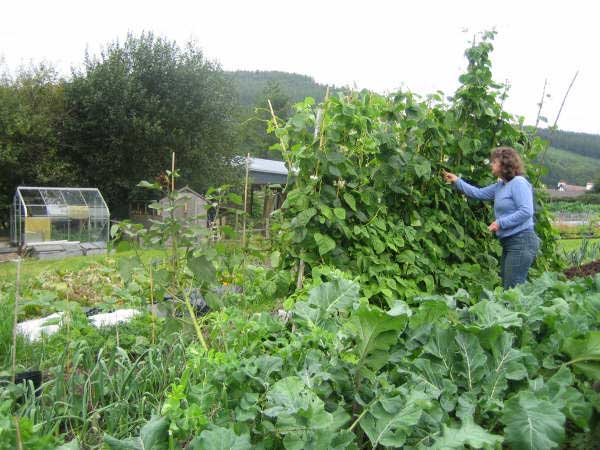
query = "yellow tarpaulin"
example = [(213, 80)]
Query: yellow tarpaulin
[(78, 212), (37, 229)]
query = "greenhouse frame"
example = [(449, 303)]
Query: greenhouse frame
[(53, 214)]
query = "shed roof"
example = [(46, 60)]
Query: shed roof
[(268, 166)]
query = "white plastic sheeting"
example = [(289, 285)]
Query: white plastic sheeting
[(34, 329)]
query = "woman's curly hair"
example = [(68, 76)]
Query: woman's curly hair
[(511, 163)]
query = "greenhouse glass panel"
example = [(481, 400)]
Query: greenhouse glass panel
[(34, 202), (42, 214)]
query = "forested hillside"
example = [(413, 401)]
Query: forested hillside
[(569, 166), (581, 143), (251, 85), (573, 157)]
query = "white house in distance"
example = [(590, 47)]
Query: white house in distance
[(565, 190)]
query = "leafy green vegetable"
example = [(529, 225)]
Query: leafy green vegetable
[(532, 424)]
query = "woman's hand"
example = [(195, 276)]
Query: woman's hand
[(449, 177), (493, 227)]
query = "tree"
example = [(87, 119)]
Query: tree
[(254, 137), (31, 117), (139, 101)]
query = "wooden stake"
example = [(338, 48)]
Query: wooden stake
[(14, 336), (275, 123), (173, 172), (152, 304), (18, 431), (543, 155), (174, 236), (564, 98), (322, 138), (246, 199), (537, 119), (300, 280), (284, 152)]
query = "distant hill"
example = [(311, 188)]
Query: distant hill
[(251, 84), (584, 144), (573, 157), (569, 166)]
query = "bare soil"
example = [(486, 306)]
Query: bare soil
[(586, 270)]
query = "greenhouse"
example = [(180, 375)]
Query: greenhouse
[(43, 215)]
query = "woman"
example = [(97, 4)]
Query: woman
[(513, 210)]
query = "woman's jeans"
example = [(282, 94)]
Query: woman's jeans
[(518, 253)]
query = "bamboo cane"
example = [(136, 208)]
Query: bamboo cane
[(537, 119), (245, 201), (14, 335)]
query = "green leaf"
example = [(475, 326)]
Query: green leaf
[(443, 346), (127, 265), (113, 230), (148, 185), (375, 332), (218, 438), (504, 365), (235, 198), (324, 242), (123, 246), (154, 435), (532, 424), (391, 420), (111, 443), (585, 354), (302, 219), (294, 404), (378, 246), (473, 358), (429, 312), (488, 314), (335, 295), (73, 445), (423, 169), (202, 268), (569, 400), (349, 199), (468, 434), (340, 213), (326, 300), (275, 258)]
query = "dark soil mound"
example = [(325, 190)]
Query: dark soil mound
[(586, 270)]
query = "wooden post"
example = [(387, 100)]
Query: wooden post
[(14, 335), (245, 201), (300, 280), (173, 172), (537, 119)]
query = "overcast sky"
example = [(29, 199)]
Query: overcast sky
[(375, 44)]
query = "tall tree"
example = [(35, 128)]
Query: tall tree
[(253, 133), (31, 117), (140, 100)]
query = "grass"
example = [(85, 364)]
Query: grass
[(33, 268)]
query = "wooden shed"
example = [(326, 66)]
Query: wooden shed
[(189, 204)]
